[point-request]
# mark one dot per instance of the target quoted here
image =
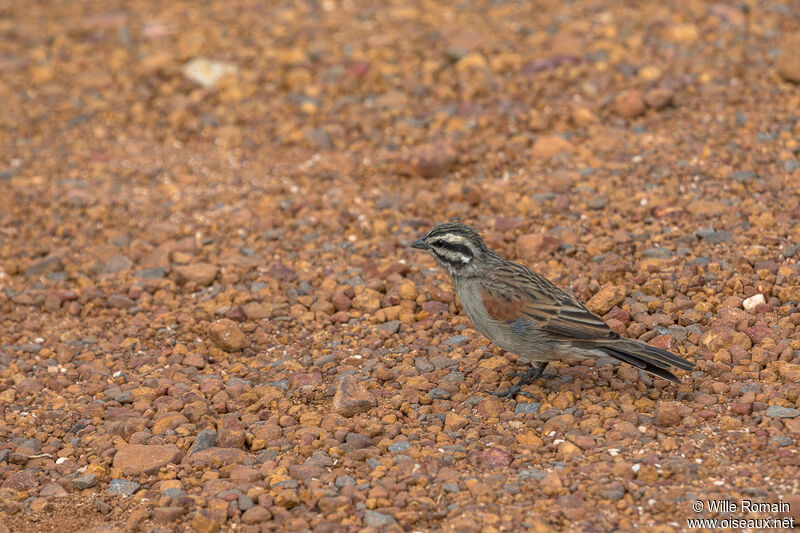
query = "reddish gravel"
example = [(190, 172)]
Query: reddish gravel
[(210, 318)]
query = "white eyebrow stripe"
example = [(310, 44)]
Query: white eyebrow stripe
[(452, 238)]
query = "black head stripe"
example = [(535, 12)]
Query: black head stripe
[(462, 249)]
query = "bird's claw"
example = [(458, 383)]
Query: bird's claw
[(513, 391), (525, 378)]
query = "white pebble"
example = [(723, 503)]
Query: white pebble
[(750, 303)]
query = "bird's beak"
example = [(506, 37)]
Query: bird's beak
[(420, 245)]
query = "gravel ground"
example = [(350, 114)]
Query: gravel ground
[(210, 319)]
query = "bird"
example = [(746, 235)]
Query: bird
[(524, 313)]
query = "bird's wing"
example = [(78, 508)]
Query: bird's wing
[(516, 293)]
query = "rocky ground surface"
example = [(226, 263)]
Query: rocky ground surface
[(210, 318)]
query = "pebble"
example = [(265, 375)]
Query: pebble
[(777, 411), (788, 64), (116, 264), (201, 274), (431, 160), (629, 104), (658, 98), (256, 515), (226, 335), (400, 446), (606, 298), (122, 487), (166, 515), (351, 397), (527, 408), (376, 519), (85, 481), (52, 490), (549, 146), (667, 414), (134, 459), (207, 438), (536, 247), (781, 441), (208, 72)]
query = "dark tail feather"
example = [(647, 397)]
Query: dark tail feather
[(649, 358)]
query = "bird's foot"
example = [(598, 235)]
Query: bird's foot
[(513, 391), (523, 374), (525, 378)]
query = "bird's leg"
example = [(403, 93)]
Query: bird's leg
[(521, 374), (526, 378)]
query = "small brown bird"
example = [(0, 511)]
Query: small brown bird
[(526, 314)]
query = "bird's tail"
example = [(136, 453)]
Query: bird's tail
[(649, 358)]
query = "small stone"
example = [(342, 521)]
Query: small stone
[(256, 515), (454, 421), (400, 446), (495, 458), (667, 414), (658, 98), (53, 490), (536, 247), (227, 336), (437, 393), (456, 340), (85, 481), (781, 441), (122, 487), (551, 484), (549, 146), (790, 372), (352, 397), (51, 263), (166, 515), (490, 406), (743, 175), (341, 301), (723, 338), (134, 459), (788, 64), (195, 360), (306, 471), (750, 304), (219, 457), (367, 301), (629, 104), (256, 310), (682, 33), (376, 519), (778, 411), (201, 274), (117, 263), (388, 329), (207, 521), (428, 160), (287, 499), (207, 72), (20, 480), (606, 298), (205, 439), (408, 291), (527, 408)]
